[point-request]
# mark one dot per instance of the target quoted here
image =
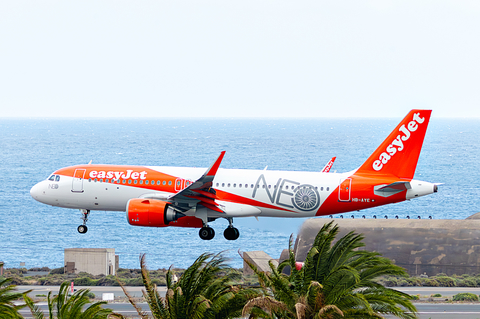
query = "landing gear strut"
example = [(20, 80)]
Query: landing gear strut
[(82, 229), (231, 233)]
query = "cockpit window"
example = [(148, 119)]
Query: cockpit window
[(57, 178), (51, 178)]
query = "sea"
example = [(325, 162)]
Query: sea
[(35, 235)]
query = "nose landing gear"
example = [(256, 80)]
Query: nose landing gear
[(82, 229)]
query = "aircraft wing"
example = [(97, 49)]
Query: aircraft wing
[(201, 191)]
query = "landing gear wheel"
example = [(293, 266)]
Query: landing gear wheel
[(82, 229), (206, 233), (231, 233)]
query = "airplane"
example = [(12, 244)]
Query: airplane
[(159, 196)]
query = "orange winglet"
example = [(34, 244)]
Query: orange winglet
[(214, 168)]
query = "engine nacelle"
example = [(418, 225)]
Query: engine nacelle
[(157, 213)]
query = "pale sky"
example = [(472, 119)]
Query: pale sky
[(248, 58)]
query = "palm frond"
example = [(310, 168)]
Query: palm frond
[(139, 310)]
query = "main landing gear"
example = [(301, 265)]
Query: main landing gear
[(230, 233), (82, 229), (206, 233)]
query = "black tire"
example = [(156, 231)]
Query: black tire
[(231, 233), (206, 233), (82, 229)]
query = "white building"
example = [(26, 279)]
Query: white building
[(95, 261)]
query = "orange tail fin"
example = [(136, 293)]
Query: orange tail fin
[(398, 154)]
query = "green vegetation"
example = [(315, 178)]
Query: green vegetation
[(207, 289), (440, 280), (8, 307), (55, 277), (133, 277), (64, 306), (465, 296), (337, 280)]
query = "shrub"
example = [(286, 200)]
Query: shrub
[(107, 281), (429, 282), (57, 271), (39, 269), (402, 283), (134, 282), (436, 295), (445, 281), (85, 281), (465, 296), (51, 281), (415, 297), (468, 282), (414, 281), (90, 295), (390, 282)]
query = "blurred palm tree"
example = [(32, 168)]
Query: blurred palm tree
[(207, 289), (8, 308), (65, 306), (336, 281)]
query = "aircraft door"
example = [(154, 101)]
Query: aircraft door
[(344, 190), (178, 184), (77, 182)]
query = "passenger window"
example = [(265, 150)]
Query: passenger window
[(234, 185), (129, 181), (328, 188), (158, 182), (141, 182), (146, 182), (240, 185), (223, 184), (135, 181), (164, 182), (51, 178), (170, 183)]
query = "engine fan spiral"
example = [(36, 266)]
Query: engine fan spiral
[(306, 198)]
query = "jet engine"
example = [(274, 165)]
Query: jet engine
[(157, 213)]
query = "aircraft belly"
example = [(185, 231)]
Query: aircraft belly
[(238, 210)]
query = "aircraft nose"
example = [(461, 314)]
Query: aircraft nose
[(36, 191)]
